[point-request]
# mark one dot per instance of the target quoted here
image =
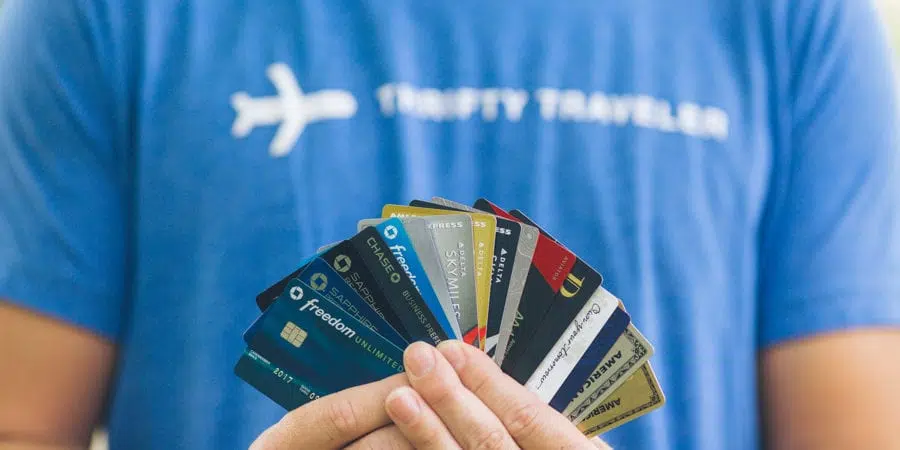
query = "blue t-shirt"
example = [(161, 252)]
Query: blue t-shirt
[(731, 167)]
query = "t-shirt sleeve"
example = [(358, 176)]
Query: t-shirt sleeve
[(830, 233), (63, 165)]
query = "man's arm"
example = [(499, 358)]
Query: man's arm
[(835, 391), (829, 298), (64, 153), (53, 379)]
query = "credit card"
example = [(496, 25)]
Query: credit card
[(582, 276), (551, 264), (423, 243), (506, 240), (580, 285), (288, 391), (266, 297), (452, 237), (346, 261), (572, 345), (638, 396), (403, 298), (602, 344), (582, 280), (400, 245), (320, 276), (326, 247), (484, 237), (628, 354), (519, 275), (482, 240), (310, 337)]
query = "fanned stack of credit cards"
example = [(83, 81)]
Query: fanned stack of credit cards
[(437, 270)]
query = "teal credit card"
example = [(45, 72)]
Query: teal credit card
[(276, 383), (312, 338)]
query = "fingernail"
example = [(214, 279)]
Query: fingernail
[(453, 352), (402, 406), (418, 359)]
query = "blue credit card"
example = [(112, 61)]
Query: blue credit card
[(313, 338), (274, 382), (401, 247), (600, 346), (320, 276)]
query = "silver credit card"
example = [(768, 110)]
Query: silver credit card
[(452, 235), (499, 339)]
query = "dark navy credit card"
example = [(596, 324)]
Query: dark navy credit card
[(600, 346)]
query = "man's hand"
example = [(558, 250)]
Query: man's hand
[(333, 421), (450, 397), (459, 398)]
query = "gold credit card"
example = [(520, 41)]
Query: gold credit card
[(623, 360), (484, 228), (639, 395)]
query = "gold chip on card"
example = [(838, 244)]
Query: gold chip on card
[(293, 334)]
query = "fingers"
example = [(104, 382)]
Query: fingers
[(417, 421), (600, 445), (386, 438), (334, 420), (470, 422), (531, 422)]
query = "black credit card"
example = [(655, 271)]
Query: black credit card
[(268, 296), (550, 266), (346, 261), (580, 284), (403, 297)]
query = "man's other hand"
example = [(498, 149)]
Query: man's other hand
[(452, 396), (459, 398)]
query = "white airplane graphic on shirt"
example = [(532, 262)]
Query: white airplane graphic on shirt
[(291, 110)]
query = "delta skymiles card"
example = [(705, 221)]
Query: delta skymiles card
[(437, 270)]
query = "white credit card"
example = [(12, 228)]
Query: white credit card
[(563, 357)]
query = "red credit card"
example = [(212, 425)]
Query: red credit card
[(550, 266)]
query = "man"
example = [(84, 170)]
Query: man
[(730, 167)]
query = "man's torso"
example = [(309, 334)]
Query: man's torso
[(636, 133)]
